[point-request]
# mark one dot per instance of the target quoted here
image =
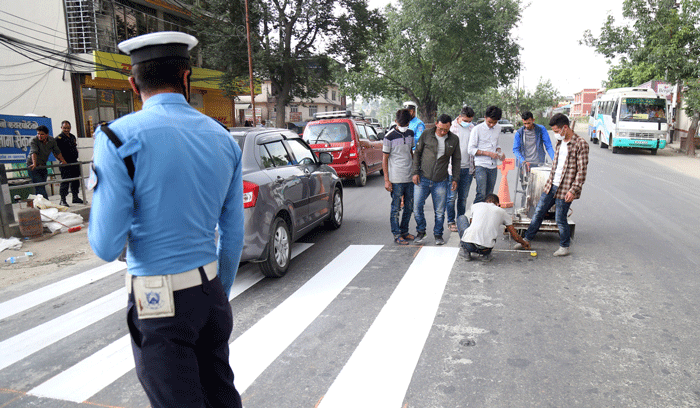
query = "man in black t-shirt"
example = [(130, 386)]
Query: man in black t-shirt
[(68, 144)]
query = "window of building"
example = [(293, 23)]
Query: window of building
[(333, 95), (293, 108), (313, 109), (104, 105)]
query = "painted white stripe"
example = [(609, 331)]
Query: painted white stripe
[(380, 369), (91, 375), (29, 342), (39, 296), (259, 346)]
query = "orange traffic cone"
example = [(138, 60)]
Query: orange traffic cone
[(503, 193)]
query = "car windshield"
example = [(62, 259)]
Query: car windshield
[(327, 133), (643, 109), (504, 122)]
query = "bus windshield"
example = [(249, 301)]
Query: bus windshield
[(643, 109)]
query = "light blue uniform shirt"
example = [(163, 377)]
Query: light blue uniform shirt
[(417, 126), (187, 179)]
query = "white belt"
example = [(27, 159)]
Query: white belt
[(184, 280)]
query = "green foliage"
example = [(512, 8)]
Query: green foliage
[(626, 74), (295, 43), (514, 101), (434, 50)]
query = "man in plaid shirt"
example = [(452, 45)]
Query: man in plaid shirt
[(564, 184)]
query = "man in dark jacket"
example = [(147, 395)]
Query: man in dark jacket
[(432, 156), (68, 145)]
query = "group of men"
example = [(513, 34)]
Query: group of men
[(442, 161), (65, 148)]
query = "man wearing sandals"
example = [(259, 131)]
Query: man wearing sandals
[(396, 163)]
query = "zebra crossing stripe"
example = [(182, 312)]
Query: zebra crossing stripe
[(29, 342), (91, 375), (380, 369), (39, 296), (253, 351)]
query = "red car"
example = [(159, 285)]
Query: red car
[(349, 137)]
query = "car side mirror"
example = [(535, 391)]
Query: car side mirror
[(325, 157)]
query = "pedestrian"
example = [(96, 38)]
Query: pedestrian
[(397, 163), (436, 147), (483, 145), (262, 123), (529, 146), (40, 148), (487, 220), (564, 183), (176, 176), (462, 127), (416, 125), (68, 144)]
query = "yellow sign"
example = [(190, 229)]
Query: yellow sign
[(118, 66)]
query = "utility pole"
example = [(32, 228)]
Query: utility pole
[(250, 62)]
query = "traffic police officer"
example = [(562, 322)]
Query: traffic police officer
[(163, 178), (416, 125)]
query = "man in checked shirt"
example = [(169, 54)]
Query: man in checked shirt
[(564, 184)]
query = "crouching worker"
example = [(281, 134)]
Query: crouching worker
[(480, 235)]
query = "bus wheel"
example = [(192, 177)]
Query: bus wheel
[(602, 144), (654, 151)]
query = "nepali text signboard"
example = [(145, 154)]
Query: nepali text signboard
[(16, 132)]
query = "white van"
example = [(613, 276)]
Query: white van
[(629, 117)]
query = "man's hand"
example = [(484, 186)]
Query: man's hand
[(569, 197), (388, 186), (416, 180), (454, 186), (501, 156), (32, 166), (527, 166)]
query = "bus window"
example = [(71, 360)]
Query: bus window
[(643, 110)]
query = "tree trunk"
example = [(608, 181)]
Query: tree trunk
[(692, 131), (428, 112)]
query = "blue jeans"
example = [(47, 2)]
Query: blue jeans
[(399, 190), (438, 189), (39, 176), (460, 195), (545, 203), (485, 182), (462, 225)]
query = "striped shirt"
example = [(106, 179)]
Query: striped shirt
[(399, 147), (575, 168)]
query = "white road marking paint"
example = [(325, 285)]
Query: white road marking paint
[(91, 375), (380, 369), (259, 346), (29, 342), (39, 296)]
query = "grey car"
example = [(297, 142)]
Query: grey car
[(288, 190)]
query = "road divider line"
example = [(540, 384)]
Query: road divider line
[(253, 351), (39, 296), (380, 369), (91, 375), (29, 342)]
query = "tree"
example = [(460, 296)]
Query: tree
[(436, 50), (663, 35), (296, 43), (626, 74)]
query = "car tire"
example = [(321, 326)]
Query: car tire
[(335, 220), (361, 179), (279, 250)]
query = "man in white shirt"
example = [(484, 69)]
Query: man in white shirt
[(481, 234), (462, 127), (483, 145)]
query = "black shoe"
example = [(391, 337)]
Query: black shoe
[(77, 200), (64, 202), (439, 240), (420, 237), (465, 254)]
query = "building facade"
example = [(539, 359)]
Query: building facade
[(296, 111), (581, 105)]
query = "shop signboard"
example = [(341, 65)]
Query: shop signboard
[(16, 133)]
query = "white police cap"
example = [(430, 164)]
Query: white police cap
[(410, 105), (163, 44)]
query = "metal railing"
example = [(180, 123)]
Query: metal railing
[(7, 216)]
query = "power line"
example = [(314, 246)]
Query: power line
[(35, 30), (29, 21)]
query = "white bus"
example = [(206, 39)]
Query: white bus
[(629, 117)]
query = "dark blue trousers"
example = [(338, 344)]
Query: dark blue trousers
[(182, 361)]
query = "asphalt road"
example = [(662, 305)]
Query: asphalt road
[(360, 321)]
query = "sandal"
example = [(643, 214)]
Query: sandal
[(453, 227), (409, 237), (401, 241)]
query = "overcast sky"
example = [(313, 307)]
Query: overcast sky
[(559, 24)]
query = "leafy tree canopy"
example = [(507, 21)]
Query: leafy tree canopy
[(436, 50)]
